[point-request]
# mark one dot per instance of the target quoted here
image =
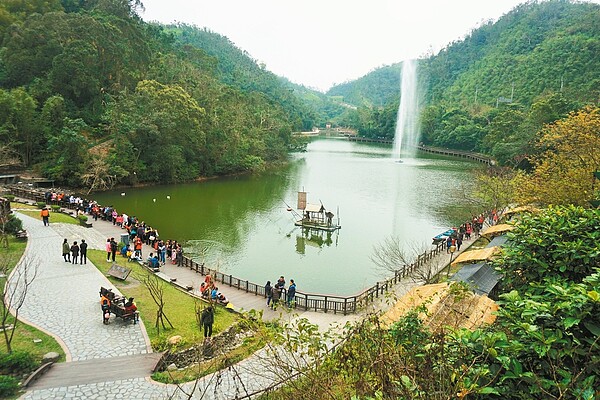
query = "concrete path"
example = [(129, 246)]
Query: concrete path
[(64, 302)]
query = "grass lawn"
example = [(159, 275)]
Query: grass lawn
[(55, 217), (180, 308), (23, 206), (24, 334)]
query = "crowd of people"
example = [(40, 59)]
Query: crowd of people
[(469, 228), (139, 233), (210, 292), (75, 253), (279, 292)]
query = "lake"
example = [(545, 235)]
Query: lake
[(241, 225)]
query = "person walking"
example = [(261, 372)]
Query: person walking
[(45, 214), (269, 292), (66, 251), (74, 253), (207, 319), (448, 244), (83, 252), (291, 293)]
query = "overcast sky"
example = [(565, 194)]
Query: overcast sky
[(319, 43)]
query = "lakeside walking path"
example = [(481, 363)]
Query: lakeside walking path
[(64, 301)]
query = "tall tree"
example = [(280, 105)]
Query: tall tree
[(569, 155)]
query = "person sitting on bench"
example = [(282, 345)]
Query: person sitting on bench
[(153, 261), (105, 307), (130, 306), (222, 299)]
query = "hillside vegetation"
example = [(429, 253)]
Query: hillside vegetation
[(493, 90), (93, 96)]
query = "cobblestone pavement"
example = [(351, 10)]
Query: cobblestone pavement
[(63, 298)]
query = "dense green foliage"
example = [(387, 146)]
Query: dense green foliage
[(17, 362), (101, 96), (493, 90)]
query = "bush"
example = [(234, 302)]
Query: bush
[(13, 225), (40, 204), (9, 386), (9, 197), (17, 362), (55, 208), (82, 218)]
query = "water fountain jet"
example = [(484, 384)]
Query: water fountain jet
[(407, 132)]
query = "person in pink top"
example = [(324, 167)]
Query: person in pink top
[(108, 250)]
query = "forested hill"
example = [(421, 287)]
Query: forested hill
[(236, 68), (534, 48), (375, 89), (492, 91), (91, 95)]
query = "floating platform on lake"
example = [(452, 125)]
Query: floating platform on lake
[(317, 225)]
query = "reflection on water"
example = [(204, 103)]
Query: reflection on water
[(241, 225), (315, 238)]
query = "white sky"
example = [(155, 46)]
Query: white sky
[(318, 43)]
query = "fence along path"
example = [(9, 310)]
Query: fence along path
[(304, 300)]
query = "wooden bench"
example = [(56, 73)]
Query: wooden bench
[(125, 315)]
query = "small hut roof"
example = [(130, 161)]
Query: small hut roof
[(497, 230), (443, 309), (313, 207), (476, 255), (482, 277), (498, 241)]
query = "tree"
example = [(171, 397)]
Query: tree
[(99, 175), (163, 117), (495, 187), (569, 154), (18, 123), (15, 287), (68, 152), (156, 289)]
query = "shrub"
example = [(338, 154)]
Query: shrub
[(17, 362), (9, 197), (9, 386), (40, 204), (55, 208), (82, 218), (13, 225)]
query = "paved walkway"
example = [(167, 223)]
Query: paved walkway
[(63, 299), (64, 302)]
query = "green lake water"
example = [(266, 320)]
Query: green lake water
[(241, 225)]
